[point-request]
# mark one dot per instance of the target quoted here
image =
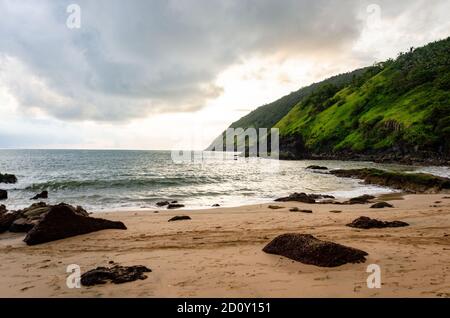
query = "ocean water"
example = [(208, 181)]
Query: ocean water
[(123, 180)]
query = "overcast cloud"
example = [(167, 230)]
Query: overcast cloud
[(132, 59)]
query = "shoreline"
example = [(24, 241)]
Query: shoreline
[(219, 253)]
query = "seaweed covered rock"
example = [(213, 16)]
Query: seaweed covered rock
[(410, 182), (62, 221), (7, 178), (365, 222), (116, 275), (307, 249)]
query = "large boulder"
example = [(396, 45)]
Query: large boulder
[(307, 249), (62, 221), (7, 178), (365, 222), (3, 194), (116, 275)]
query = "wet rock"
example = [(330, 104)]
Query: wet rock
[(22, 225), (116, 275), (162, 203), (410, 182), (381, 205), (303, 197), (3, 194), (3, 209), (363, 199), (275, 207), (215, 205), (179, 218), (42, 195), (62, 221), (7, 178), (307, 249), (365, 222), (314, 167), (175, 206), (173, 202)]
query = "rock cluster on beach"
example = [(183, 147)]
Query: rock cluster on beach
[(365, 222), (116, 274), (307, 249), (45, 223), (303, 197)]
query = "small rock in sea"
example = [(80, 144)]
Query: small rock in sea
[(215, 205), (295, 209), (7, 178), (116, 275), (179, 218), (381, 205), (307, 249), (275, 207), (3, 194), (175, 206), (42, 195), (162, 203), (314, 167), (63, 221), (173, 202), (365, 222), (335, 211), (362, 199)]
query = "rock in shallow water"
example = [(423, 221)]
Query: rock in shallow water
[(116, 275), (365, 222), (175, 206), (42, 195), (62, 221), (3, 194), (314, 167), (7, 178), (307, 249)]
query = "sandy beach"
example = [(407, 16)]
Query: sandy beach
[(219, 253)]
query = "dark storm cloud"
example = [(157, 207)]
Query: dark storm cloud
[(132, 58)]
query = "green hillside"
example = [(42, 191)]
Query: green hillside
[(399, 107)]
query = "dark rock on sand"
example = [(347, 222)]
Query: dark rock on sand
[(62, 221), (303, 197), (162, 203), (314, 167), (42, 195), (335, 211), (307, 249), (410, 182), (295, 209), (363, 199), (381, 205), (175, 206), (7, 178), (3, 194), (179, 218), (275, 207), (116, 275), (365, 222)]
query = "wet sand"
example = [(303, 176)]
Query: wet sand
[(219, 253)]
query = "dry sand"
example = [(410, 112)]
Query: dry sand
[(219, 253)]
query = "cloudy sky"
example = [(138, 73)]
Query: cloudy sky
[(173, 74)]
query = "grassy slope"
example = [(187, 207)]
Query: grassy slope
[(399, 104)]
